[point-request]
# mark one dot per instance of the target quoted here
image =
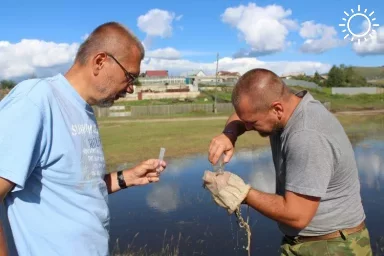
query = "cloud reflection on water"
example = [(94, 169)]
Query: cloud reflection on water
[(370, 162), (163, 197)]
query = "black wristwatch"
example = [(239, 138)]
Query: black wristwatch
[(120, 180)]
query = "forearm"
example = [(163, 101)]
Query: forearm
[(274, 207), (112, 183), (236, 126), (3, 244)]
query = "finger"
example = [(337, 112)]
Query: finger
[(218, 153), (212, 153), (150, 164), (153, 174), (153, 179), (228, 155), (211, 145)]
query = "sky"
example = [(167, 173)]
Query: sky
[(41, 37)]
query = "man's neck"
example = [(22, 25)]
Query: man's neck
[(77, 80), (292, 104)]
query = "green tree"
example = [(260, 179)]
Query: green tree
[(137, 82), (335, 77), (317, 78), (7, 84), (353, 79)]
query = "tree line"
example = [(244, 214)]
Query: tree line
[(338, 76), (7, 84)]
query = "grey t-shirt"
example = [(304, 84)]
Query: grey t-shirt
[(313, 156)]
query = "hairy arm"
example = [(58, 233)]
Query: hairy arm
[(5, 187), (309, 162), (112, 183), (142, 174), (293, 209)]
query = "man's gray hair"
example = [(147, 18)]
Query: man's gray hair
[(111, 37)]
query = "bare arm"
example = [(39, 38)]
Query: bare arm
[(5, 187), (293, 209), (235, 126), (225, 142), (142, 174)]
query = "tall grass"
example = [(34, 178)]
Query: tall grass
[(170, 248)]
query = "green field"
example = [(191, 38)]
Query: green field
[(338, 102), (132, 142), (348, 103), (370, 72)]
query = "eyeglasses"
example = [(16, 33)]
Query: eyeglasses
[(130, 77)]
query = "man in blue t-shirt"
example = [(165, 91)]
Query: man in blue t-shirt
[(53, 179)]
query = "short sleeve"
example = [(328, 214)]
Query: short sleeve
[(21, 132), (310, 162)]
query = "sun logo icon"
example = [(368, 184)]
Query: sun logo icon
[(369, 31)]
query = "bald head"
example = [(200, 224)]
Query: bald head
[(261, 87), (113, 38)]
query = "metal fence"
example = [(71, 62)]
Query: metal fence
[(302, 83), (357, 90), (162, 80), (167, 110)]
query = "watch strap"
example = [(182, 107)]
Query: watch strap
[(121, 180)]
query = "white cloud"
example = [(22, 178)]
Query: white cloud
[(164, 53), (170, 53), (319, 37), (33, 56), (264, 29), (241, 65), (373, 46), (179, 17), (157, 23), (43, 58)]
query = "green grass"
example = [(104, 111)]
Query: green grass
[(203, 98), (377, 82), (346, 102), (133, 142), (338, 102), (370, 72)]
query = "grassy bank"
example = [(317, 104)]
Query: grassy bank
[(348, 103), (137, 141), (338, 102)]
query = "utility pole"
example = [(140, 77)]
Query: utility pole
[(217, 67)]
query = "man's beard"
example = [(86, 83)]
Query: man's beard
[(108, 102), (276, 129)]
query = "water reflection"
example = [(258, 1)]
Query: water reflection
[(179, 213), (164, 198), (370, 160)]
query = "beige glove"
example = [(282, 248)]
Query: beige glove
[(228, 190)]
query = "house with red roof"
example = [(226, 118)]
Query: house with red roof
[(156, 73)]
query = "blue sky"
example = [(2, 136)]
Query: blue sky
[(182, 36)]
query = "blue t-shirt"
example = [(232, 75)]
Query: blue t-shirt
[(50, 148)]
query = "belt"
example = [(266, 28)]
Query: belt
[(339, 233)]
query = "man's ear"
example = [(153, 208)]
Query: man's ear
[(98, 62), (278, 109)]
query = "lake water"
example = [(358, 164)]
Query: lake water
[(178, 213)]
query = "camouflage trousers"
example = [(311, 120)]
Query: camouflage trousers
[(356, 244)]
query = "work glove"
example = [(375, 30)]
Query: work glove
[(228, 190)]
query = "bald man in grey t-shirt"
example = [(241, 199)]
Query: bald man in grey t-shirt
[(313, 156), (317, 203)]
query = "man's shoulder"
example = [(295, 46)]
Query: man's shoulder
[(37, 90)]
